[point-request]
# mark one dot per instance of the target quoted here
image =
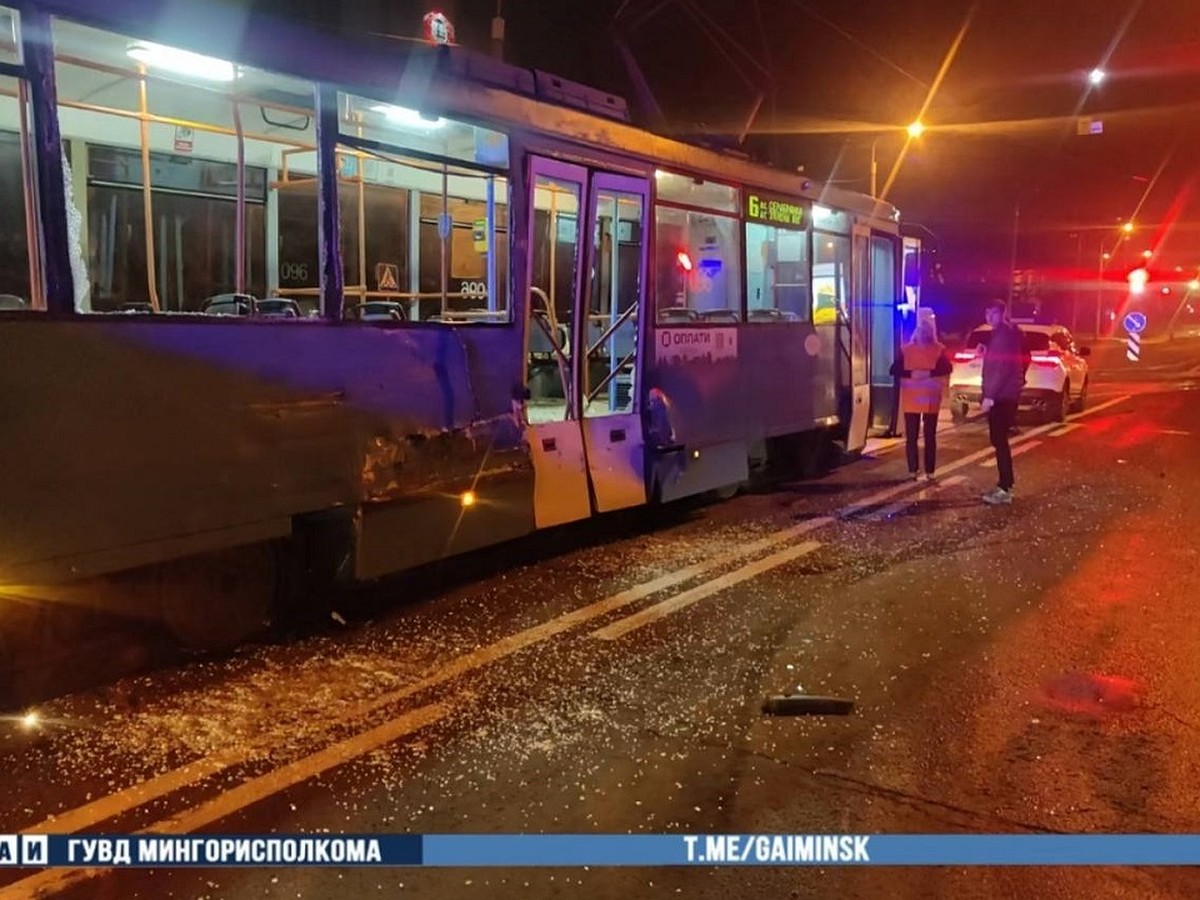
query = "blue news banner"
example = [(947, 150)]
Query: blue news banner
[(506, 850)]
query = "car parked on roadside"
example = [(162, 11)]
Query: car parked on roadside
[(1056, 381)]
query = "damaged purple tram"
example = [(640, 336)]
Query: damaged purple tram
[(276, 300)]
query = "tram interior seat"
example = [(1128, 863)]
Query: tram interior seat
[(719, 315), (246, 305), (375, 311), (12, 302), (773, 315), (544, 378), (227, 305), (470, 315), (539, 342), (624, 337), (677, 314), (278, 308)]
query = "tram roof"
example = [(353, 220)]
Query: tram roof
[(448, 80)]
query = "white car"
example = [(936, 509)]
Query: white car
[(1056, 381)]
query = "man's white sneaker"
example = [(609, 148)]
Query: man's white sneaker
[(998, 496)]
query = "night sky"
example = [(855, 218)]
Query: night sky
[(836, 75)]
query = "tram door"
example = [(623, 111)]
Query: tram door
[(612, 427), (587, 259), (860, 338)]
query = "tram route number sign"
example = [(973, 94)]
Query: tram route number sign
[(774, 210)]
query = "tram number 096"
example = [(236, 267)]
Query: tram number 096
[(293, 272)]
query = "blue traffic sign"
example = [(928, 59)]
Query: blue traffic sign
[(1135, 322)]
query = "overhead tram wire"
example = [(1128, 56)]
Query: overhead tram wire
[(862, 45)]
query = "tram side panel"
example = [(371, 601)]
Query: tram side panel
[(130, 443), (716, 393)]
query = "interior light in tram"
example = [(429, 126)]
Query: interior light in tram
[(183, 62), (821, 212), (409, 118), (685, 260)]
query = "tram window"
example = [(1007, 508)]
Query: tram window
[(447, 258), (10, 36), (830, 278), (19, 270), (424, 234), (395, 125), (696, 266), (464, 250), (830, 219), (124, 102), (777, 273), (684, 189), (20, 265)]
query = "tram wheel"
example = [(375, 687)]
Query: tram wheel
[(213, 603)]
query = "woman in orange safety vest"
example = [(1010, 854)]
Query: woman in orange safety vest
[(922, 368)]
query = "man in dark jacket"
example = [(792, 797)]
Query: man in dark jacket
[(1004, 364)]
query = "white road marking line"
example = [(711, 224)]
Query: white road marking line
[(1016, 451), (166, 783), (881, 515), (1066, 429), (881, 446), (673, 604), (245, 794)]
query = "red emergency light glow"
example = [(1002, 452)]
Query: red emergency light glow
[(684, 260)]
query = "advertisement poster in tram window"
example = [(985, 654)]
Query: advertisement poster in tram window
[(185, 139), (708, 345)]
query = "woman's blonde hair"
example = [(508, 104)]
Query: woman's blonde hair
[(926, 332)]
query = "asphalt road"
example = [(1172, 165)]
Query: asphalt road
[(1026, 669)]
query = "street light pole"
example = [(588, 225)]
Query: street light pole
[(874, 169)]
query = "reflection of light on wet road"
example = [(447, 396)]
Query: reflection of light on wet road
[(1090, 694)]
